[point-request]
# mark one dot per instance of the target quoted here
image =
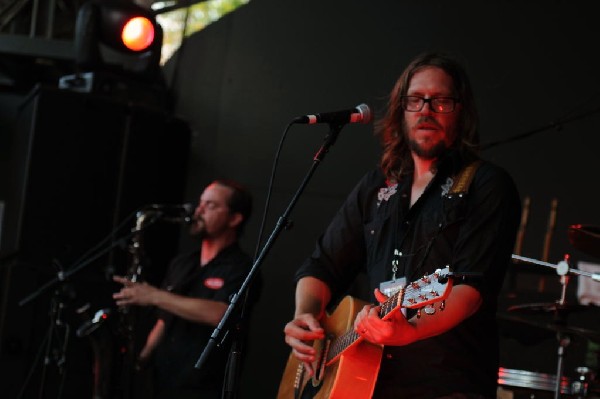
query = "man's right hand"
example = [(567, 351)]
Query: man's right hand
[(299, 334), (133, 293)]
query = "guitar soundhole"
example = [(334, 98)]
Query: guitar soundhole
[(312, 388)]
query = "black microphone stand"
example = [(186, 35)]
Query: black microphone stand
[(56, 307), (54, 345), (230, 390)]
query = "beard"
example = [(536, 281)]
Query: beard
[(427, 153), (198, 228)]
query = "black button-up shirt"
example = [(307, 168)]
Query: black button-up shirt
[(472, 233)]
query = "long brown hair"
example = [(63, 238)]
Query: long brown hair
[(396, 159)]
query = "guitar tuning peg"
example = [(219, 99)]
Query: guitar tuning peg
[(443, 305)]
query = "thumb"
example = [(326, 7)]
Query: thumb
[(380, 296)]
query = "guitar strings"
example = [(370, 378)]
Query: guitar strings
[(411, 291)]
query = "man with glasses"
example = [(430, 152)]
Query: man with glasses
[(431, 203)]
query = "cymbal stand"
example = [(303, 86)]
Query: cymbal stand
[(563, 339), (564, 271)]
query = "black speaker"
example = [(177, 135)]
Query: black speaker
[(78, 168)]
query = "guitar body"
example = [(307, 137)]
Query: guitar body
[(347, 365), (352, 375)]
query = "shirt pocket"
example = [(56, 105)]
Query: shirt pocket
[(454, 208)]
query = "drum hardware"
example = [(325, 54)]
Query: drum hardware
[(532, 380), (551, 327), (585, 238), (581, 387), (560, 310)]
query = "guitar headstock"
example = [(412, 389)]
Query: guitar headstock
[(427, 290)]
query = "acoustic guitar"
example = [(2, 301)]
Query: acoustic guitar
[(346, 365)]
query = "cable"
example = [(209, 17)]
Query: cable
[(270, 190)]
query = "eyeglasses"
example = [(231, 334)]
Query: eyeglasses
[(441, 105)]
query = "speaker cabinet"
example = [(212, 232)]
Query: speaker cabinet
[(77, 168)]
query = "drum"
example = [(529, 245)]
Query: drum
[(529, 384)]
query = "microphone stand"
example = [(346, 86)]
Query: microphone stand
[(229, 389), (57, 306), (64, 275)]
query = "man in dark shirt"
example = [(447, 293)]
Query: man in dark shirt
[(194, 296), (421, 210)]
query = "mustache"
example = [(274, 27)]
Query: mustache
[(197, 228), (198, 222), (428, 119)]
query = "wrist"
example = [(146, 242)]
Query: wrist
[(157, 297)]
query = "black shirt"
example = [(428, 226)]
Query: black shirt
[(470, 233), (184, 341)]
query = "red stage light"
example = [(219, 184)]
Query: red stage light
[(138, 33), (112, 35)]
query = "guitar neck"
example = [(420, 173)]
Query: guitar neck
[(420, 293)]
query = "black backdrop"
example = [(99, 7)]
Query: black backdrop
[(241, 80), (238, 83)]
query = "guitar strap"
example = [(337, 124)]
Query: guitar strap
[(460, 187), (463, 179)]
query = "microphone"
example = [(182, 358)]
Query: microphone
[(359, 114), (174, 213)]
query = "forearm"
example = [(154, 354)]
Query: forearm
[(194, 309), (312, 296), (198, 310), (396, 330), (462, 303)]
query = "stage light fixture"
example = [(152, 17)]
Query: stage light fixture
[(118, 36), (138, 34)]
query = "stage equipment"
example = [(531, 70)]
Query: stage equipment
[(359, 114), (238, 308), (530, 381), (560, 311), (585, 238), (117, 53), (100, 336), (78, 165), (111, 34), (128, 316)]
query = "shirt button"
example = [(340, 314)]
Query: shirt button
[(372, 232)]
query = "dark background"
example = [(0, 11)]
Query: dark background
[(240, 81)]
